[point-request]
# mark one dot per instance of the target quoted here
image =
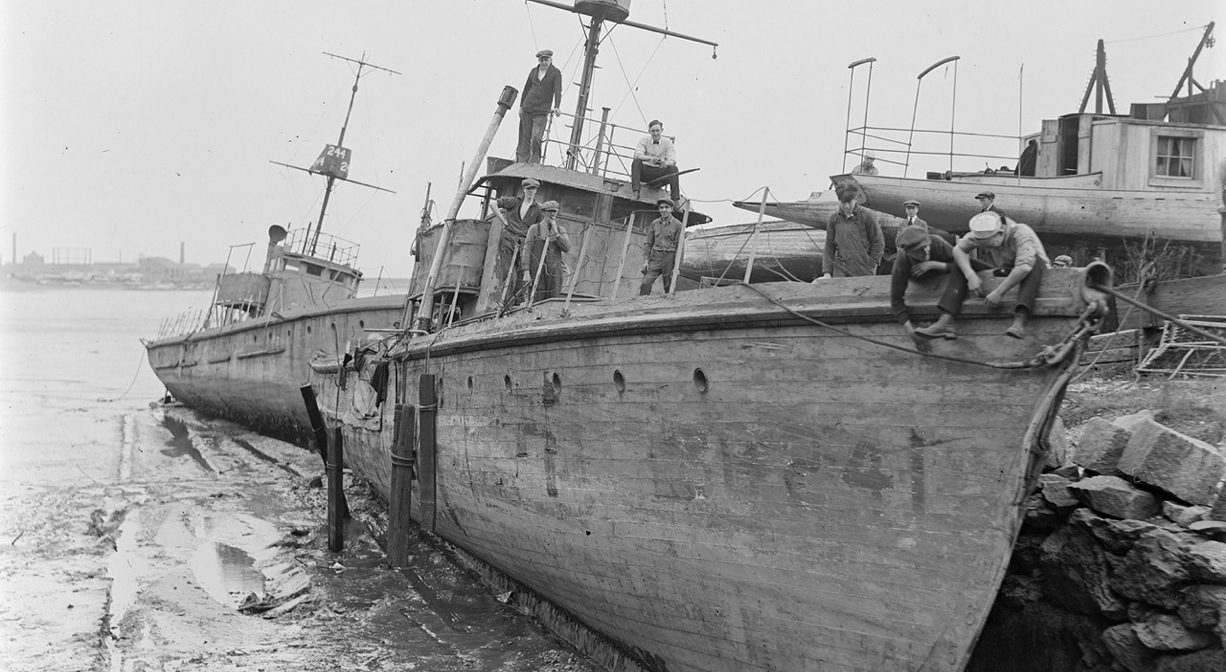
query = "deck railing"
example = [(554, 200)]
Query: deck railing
[(606, 151)]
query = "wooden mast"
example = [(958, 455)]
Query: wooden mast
[(338, 152)]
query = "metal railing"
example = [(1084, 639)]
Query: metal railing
[(322, 246), (603, 152)]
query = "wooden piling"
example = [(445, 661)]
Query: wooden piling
[(320, 431), (336, 492), (399, 516)]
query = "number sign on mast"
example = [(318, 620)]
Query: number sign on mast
[(333, 162)]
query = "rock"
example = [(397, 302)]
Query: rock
[(1117, 536), (1153, 571), (1209, 528), (1076, 575), (1218, 511), (1101, 446), (1130, 422), (1057, 444), (1207, 562), (1188, 468), (1183, 515), (1127, 648), (1055, 491), (1039, 515), (1115, 497), (1206, 660), (1070, 471), (1201, 607), (1165, 632)]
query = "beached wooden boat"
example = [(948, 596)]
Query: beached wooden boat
[(749, 477), (780, 250), (245, 358)]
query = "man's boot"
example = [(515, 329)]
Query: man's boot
[(1018, 328), (942, 328)]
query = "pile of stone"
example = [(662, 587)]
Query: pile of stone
[(1122, 548)]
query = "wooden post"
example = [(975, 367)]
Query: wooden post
[(426, 448), (621, 265), (321, 431), (336, 492), (399, 509)]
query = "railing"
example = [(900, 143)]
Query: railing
[(898, 146), (322, 246), (603, 152)]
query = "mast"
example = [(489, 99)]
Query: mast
[(333, 162), (600, 11)]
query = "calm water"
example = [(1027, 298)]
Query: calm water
[(71, 366)]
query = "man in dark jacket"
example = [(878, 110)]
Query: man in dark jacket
[(920, 255), (521, 212), (542, 96)]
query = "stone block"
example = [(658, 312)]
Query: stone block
[(1055, 491), (1131, 421), (1127, 648), (1187, 468), (1154, 571), (1076, 575), (1183, 515), (1115, 497), (1101, 446), (1207, 562), (1164, 632), (1201, 607)]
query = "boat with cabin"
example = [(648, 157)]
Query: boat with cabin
[(245, 357), (1124, 188), (763, 476)]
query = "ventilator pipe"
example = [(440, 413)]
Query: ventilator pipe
[(425, 320)]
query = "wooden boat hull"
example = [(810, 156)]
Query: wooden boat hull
[(780, 250), (1074, 221), (252, 372), (719, 484)]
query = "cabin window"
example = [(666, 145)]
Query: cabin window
[(1176, 157)]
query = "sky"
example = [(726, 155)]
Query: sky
[(131, 127)]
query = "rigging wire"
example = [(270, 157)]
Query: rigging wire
[(630, 86), (136, 375), (1151, 37)]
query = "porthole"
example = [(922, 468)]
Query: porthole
[(470, 383), (361, 324), (557, 384), (308, 328), (619, 382), (506, 382), (700, 381)]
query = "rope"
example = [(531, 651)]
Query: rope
[(134, 377), (960, 360)]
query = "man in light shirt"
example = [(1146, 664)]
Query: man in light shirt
[(655, 158)]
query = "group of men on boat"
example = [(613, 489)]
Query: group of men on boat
[(855, 245)]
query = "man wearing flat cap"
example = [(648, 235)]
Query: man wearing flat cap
[(542, 96), (1023, 260), (542, 264), (854, 242), (520, 212), (911, 209), (920, 255), (660, 249), (987, 203)]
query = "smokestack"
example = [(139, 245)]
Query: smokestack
[(181, 255)]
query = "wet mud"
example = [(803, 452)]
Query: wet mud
[(204, 547)]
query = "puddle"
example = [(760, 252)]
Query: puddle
[(181, 442), (226, 573)]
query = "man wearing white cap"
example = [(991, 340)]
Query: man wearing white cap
[(542, 96), (866, 166), (1022, 259)]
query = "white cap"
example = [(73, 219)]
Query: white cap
[(984, 225)]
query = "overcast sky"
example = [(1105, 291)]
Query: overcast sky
[(131, 126)]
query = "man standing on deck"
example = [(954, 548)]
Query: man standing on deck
[(548, 240), (660, 248), (920, 255), (854, 243), (866, 166), (987, 202), (1022, 259), (911, 208), (521, 212), (654, 158), (542, 96)]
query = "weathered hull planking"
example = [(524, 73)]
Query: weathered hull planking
[(719, 484)]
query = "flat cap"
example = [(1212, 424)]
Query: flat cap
[(550, 205), (544, 52), (984, 225), (910, 202), (986, 194), (530, 182), (911, 236), (666, 201)]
